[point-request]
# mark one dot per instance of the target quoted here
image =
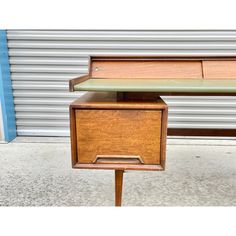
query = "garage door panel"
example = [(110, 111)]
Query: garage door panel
[(43, 61)]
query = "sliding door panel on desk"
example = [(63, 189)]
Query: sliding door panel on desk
[(147, 69), (219, 69)]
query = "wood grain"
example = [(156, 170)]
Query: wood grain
[(219, 69), (108, 100), (126, 113), (117, 133), (147, 69)]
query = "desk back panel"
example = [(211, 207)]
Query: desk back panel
[(219, 69), (162, 68), (147, 69)]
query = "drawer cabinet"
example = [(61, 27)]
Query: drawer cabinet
[(147, 69), (113, 135)]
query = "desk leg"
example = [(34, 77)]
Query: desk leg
[(118, 186)]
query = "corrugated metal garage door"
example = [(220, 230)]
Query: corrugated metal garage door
[(42, 62)]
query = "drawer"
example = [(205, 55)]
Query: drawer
[(118, 136), (219, 69)]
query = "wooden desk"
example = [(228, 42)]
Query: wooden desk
[(123, 125)]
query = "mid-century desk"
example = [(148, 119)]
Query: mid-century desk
[(121, 123)]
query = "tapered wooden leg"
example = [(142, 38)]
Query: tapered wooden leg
[(118, 186)]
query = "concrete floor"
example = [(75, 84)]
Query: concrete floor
[(198, 173)]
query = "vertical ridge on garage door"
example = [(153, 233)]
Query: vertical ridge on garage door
[(43, 61)]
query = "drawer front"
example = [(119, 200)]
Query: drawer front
[(219, 69), (118, 136)]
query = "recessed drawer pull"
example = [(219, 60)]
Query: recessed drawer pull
[(117, 159)]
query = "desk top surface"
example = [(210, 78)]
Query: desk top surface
[(158, 85)]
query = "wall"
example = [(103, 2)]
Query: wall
[(42, 62), (6, 94)]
